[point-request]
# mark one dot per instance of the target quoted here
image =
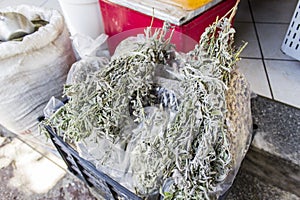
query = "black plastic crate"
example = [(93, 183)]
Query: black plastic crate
[(94, 178), (86, 171)]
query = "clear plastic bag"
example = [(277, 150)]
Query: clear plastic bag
[(85, 46), (175, 140), (123, 162), (93, 54)]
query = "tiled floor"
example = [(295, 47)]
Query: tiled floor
[(271, 73), (261, 23)]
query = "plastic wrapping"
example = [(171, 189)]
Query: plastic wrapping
[(121, 160), (86, 46), (239, 122), (93, 54), (120, 167), (165, 123), (52, 106)]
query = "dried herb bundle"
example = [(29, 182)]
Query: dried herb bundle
[(112, 97), (178, 141)]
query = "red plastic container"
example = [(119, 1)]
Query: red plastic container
[(118, 19)]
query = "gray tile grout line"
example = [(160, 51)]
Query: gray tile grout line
[(260, 49)]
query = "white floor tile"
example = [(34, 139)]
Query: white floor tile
[(271, 37), (254, 71), (285, 81), (273, 11), (246, 32), (243, 13)]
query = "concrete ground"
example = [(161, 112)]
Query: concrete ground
[(28, 173)]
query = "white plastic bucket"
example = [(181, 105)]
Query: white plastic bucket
[(83, 16)]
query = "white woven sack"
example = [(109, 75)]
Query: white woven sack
[(34, 70)]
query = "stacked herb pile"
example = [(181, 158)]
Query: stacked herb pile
[(155, 119)]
